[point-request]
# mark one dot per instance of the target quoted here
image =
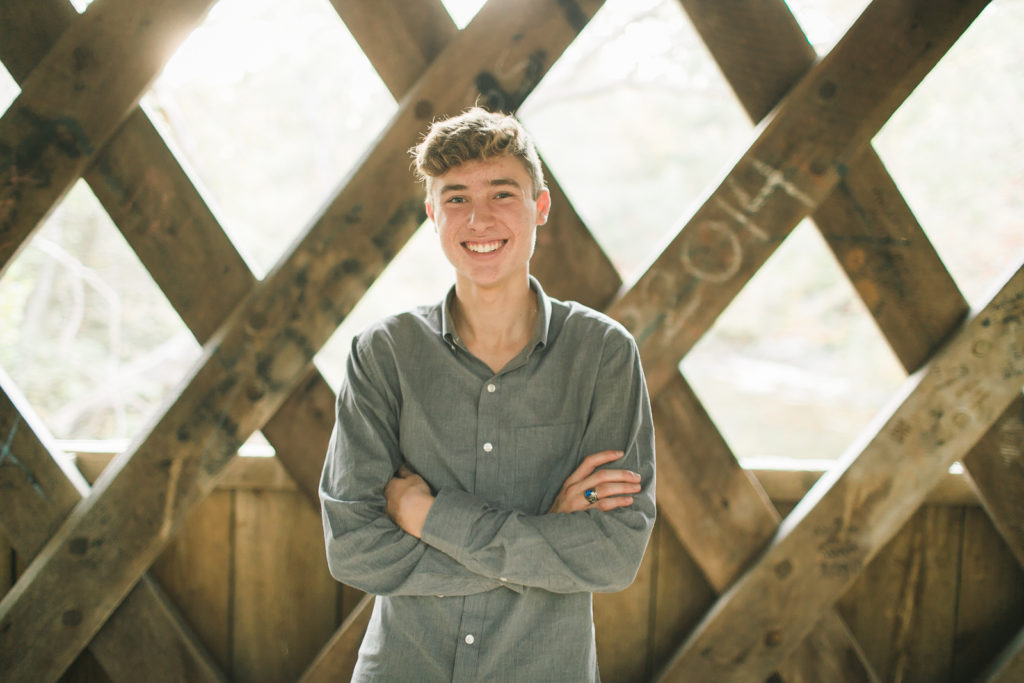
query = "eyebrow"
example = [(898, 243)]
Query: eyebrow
[(496, 182)]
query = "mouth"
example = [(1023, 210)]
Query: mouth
[(484, 247)]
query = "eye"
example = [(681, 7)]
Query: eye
[(503, 195), (455, 199)]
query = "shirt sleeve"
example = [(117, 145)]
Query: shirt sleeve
[(365, 549), (590, 550)]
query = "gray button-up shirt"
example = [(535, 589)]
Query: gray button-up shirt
[(496, 590)]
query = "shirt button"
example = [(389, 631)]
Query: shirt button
[(488, 447), (491, 388), (502, 579), (470, 639)]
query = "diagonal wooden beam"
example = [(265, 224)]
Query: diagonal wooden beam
[(996, 468), (721, 514), (868, 225), (872, 232), (855, 509), (400, 39), (337, 659), (260, 354), (805, 148), (74, 100), (724, 519), (145, 633)]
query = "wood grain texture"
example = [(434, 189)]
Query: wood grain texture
[(996, 467), (903, 606), (282, 587), (623, 624), (805, 148), (763, 53), (990, 607), (398, 37), (829, 538), (75, 98), (196, 570), (717, 508), (38, 494)]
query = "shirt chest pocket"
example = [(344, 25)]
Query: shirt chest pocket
[(544, 456)]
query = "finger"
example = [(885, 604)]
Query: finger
[(591, 463), (616, 489), (404, 471), (606, 504), (601, 477)]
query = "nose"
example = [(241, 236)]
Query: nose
[(481, 216)]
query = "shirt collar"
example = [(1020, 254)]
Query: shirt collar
[(540, 328)]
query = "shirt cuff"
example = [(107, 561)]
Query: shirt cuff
[(449, 521), (449, 525)]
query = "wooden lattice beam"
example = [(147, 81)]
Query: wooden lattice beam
[(866, 222), (145, 632), (74, 100), (261, 353), (806, 147), (852, 512), (996, 467), (721, 513)]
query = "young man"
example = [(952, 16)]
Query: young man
[(492, 463)]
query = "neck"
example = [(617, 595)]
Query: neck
[(491, 319)]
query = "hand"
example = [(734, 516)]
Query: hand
[(408, 500), (613, 487)]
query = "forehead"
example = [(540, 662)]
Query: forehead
[(482, 173)]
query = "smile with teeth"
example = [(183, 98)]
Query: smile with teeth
[(484, 247)]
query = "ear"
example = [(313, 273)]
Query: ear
[(430, 211), (543, 206)]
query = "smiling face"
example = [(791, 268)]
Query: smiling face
[(487, 218)]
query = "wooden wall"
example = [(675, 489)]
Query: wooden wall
[(248, 573), (925, 593)]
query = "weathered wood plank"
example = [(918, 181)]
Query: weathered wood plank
[(400, 38), (718, 510), (996, 467), (990, 610), (38, 494), (877, 240), (787, 483), (725, 519), (682, 592), (826, 542), (337, 659), (622, 625), (829, 652), (804, 149), (75, 98), (196, 572), (283, 597), (143, 189), (903, 606), (300, 430), (261, 353)]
